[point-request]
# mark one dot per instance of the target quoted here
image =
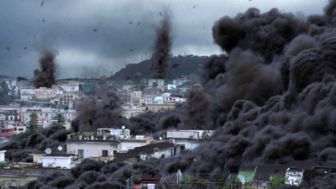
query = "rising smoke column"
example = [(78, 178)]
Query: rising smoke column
[(45, 75), (160, 56)]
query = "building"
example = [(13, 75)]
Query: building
[(43, 93), (153, 150), (129, 111), (92, 145), (155, 83), (159, 107), (190, 139), (2, 156), (69, 86), (47, 115), (62, 161), (27, 94)]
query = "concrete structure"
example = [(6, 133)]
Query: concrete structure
[(90, 145), (129, 111), (20, 129), (120, 133), (27, 94), (2, 156), (63, 161), (190, 139), (159, 83), (154, 150), (159, 107), (45, 93), (69, 86)]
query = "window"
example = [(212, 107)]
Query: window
[(104, 153), (80, 153)]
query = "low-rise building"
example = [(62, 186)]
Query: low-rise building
[(2, 156), (159, 107), (62, 161), (153, 150), (91, 144), (190, 139), (129, 111)]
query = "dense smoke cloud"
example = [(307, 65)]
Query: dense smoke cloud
[(20, 150), (102, 110), (160, 56), (265, 33), (45, 75), (197, 109)]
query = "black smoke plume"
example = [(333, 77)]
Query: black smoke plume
[(21, 148), (265, 33), (45, 75), (102, 110), (161, 54)]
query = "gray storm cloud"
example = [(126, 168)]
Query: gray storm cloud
[(113, 33)]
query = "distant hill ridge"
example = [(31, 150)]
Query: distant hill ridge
[(179, 65)]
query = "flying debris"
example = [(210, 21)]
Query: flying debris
[(42, 3), (95, 30)]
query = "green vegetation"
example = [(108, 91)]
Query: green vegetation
[(277, 182)]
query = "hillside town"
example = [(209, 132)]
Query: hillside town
[(49, 105)]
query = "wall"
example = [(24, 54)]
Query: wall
[(55, 161), (188, 144), (91, 149), (124, 146), (2, 155)]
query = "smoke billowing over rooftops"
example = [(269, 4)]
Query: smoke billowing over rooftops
[(271, 100)]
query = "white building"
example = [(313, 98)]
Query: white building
[(2, 156), (63, 161), (12, 85), (46, 115), (27, 94), (129, 111), (153, 150), (120, 133), (190, 139), (91, 145), (159, 83), (70, 86)]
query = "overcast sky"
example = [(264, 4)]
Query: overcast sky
[(99, 37)]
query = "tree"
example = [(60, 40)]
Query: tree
[(5, 99), (60, 119), (33, 122)]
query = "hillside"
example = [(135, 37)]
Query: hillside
[(179, 65)]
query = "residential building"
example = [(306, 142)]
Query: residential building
[(154, 150), (190, 139), (159, 107), (2, 156), (69, 86), (62, 161), (90, 144), (129, 111)]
